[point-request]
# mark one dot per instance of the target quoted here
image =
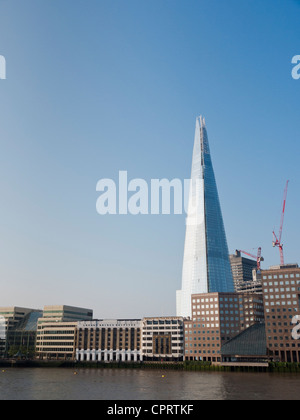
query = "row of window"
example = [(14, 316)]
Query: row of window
[(164, 322), (281, 290), (281, 303), (174, 334), (203, 332), (202, 338), (281, 345), (221, 299), (67, 345), (156, 327), (281, 276), (281, 338), (286, 292), (203, 345), (54, 338), (92, 336), (110, 330), (55, 350), (208, 314), (235, 299), (52, 332), (289, 310), (202, 352)]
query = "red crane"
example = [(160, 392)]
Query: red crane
[(277, 240), (258, 258)]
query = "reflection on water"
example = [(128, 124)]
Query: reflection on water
[(127, 384)]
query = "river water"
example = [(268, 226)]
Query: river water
[(127, 384)]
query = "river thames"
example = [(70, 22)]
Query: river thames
[(127, 384)]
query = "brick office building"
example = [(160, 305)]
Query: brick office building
[(216, 319), (281, 291)]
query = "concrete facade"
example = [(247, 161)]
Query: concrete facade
[(109, 341), (162, 339)]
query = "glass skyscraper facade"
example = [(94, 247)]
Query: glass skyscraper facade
[(206, 265)]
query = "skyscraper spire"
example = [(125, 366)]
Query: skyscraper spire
[(202, 121), (206, 266)]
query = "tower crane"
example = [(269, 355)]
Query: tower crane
[(277, 239), (258, 258)]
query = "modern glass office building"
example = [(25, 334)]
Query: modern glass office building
[(206, 265)]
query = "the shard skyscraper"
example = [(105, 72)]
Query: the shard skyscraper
[(206, 265)]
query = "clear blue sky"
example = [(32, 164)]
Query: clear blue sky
[(94, 87)]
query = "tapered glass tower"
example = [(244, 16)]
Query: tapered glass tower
[(206, 265)]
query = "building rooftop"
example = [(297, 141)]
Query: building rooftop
[(251, 342), (283, 267)]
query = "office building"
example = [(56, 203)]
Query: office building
[(21, 340), (281, 291), (56, 333), (109, 340), (216, 319), (206, 266), (162, 339), (150, 339), (56, 340), (246, 278), (12, 317)]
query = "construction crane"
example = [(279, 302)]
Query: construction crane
[(258, 258), (277, 240)]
